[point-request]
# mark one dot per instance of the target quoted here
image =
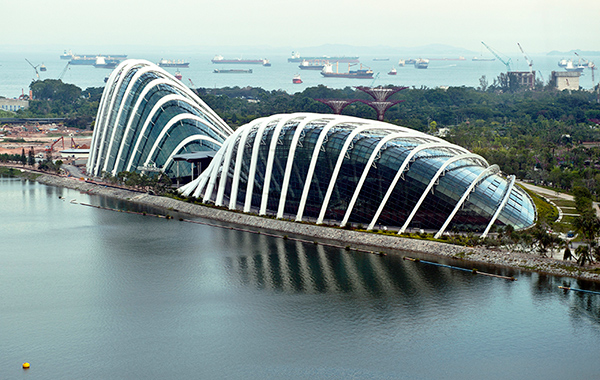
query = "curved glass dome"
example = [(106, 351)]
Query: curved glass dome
[(340, 169), (145, 117)]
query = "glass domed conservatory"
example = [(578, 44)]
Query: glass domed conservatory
[(307, 167), (339, 169), (146, 117)]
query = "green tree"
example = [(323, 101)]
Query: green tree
[(588, 225)]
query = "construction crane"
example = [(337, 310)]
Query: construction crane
[(193, 88), (592, 66), (64, 71), (506, 62), (35, 68), (374, 79), (529, 61)]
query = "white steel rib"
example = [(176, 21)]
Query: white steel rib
[(486, 172), (313, 162), (500, 207), (289, 164), (254, 160), (432, 183), (365, 172), (338, 165), (267, 181), (401, 170)]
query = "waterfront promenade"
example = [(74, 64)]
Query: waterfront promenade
[(390, 244)]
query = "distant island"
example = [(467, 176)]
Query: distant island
[(572, 52)]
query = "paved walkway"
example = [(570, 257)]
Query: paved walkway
[(551, 194)]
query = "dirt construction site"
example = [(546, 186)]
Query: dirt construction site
[(42, 139)]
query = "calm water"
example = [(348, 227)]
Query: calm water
[(95, 294), (16, 74)]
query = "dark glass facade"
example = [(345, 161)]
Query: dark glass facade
[(146, 116), (336, 169)]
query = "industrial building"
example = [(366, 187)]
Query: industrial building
[(565, 80)]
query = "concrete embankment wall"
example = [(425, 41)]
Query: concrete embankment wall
[(341, 237)]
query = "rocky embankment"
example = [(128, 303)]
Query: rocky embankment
[(336, 236)]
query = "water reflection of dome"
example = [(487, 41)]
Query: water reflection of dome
[(296, 267)]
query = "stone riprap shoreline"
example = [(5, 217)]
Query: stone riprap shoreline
[(340, 237)]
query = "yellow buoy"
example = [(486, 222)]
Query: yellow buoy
[(25, 365)]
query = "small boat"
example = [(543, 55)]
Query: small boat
[(401, 63), (43, 67), (381, 59), (393, 71), (178, 75), (266, 63), (297, 79)]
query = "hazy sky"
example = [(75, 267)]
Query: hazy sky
[(539, 25)]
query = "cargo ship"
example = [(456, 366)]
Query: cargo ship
[(91, 59), (362, 73), (173, 63), (297, 58), (316, 64), (479, 59), (232, 71), (421, 63), (67, 55), (103, 63), (220, 60)]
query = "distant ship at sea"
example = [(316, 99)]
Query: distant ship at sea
[(316, 64), (232, 71), (104, 63), (90, 59), (362, 73), (421, 63), (480, 59), (297, 58), (67, 55), (173, 63), (218, 59)]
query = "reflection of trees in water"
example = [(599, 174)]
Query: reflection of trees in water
[(582, 305)]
